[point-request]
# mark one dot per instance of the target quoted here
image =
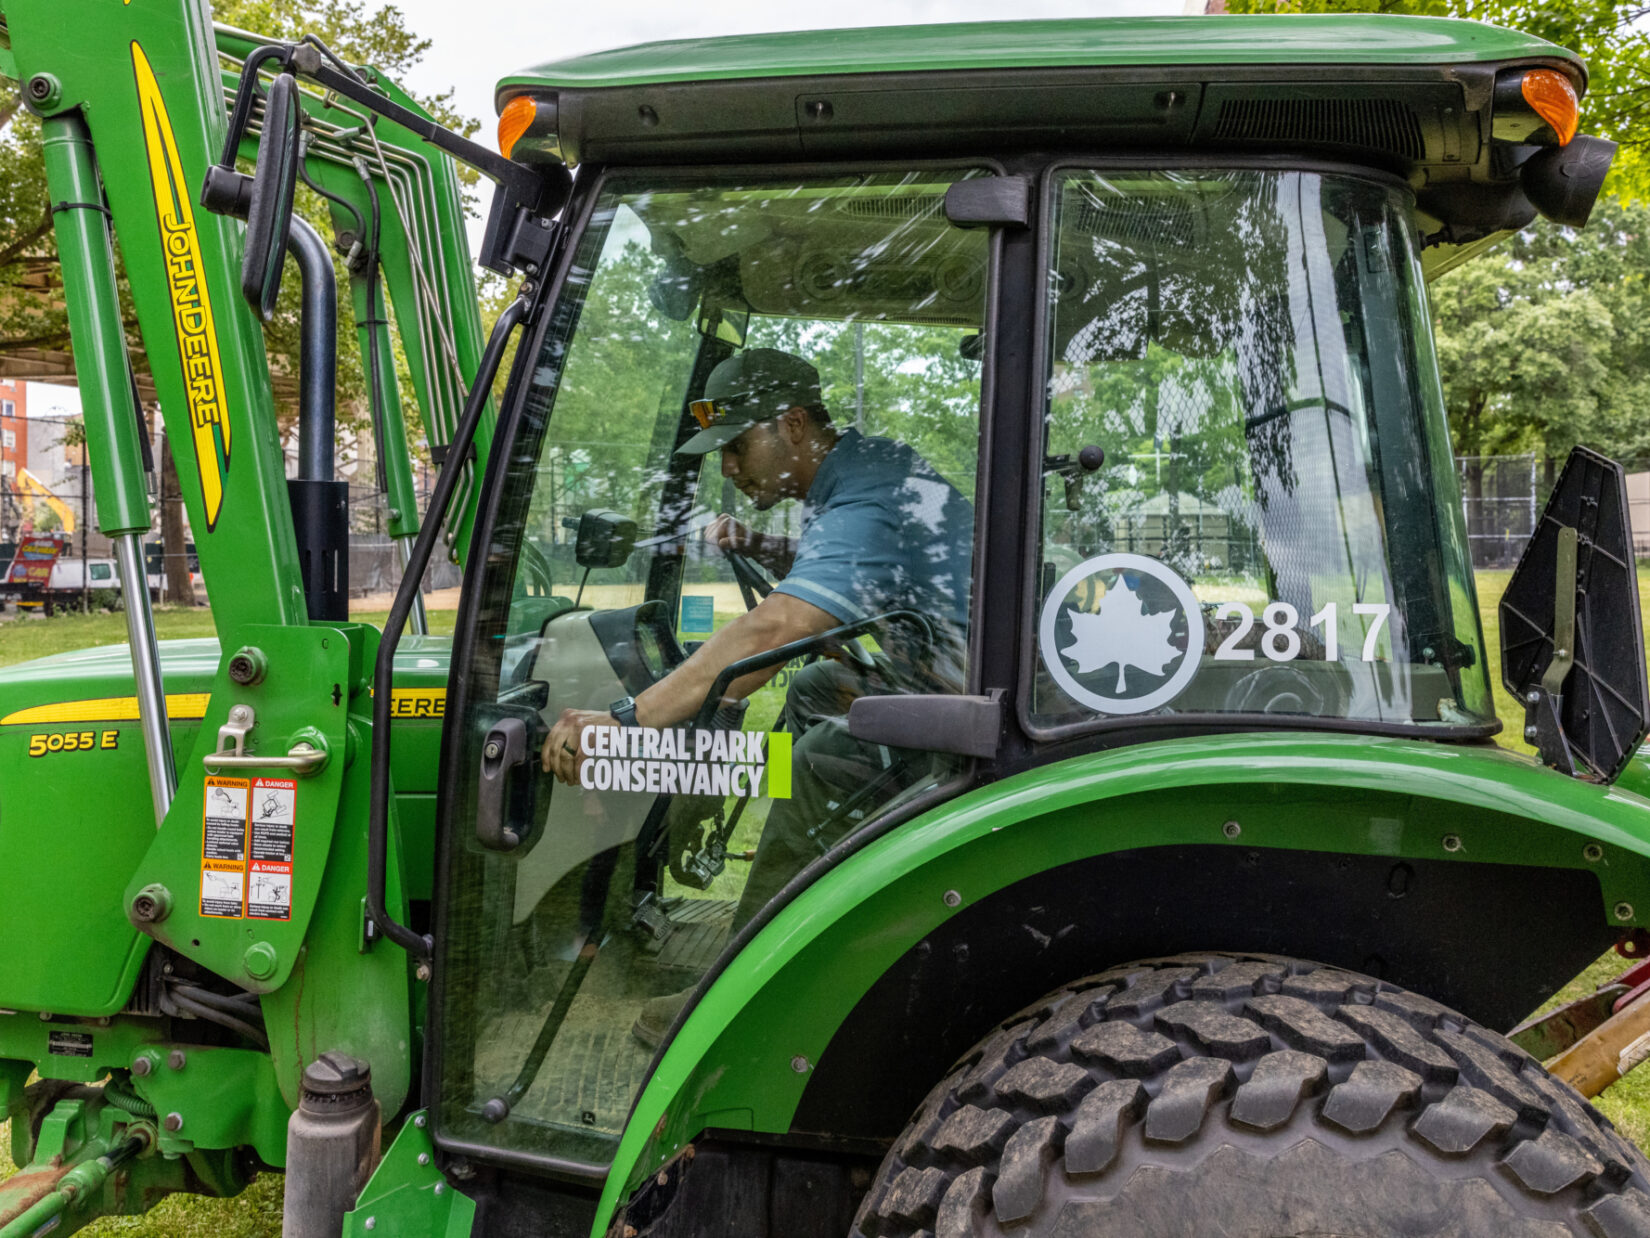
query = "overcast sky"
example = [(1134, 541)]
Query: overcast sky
[(479, 41)]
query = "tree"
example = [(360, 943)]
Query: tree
[(32, 315), (1609, 34), (1546, 342)]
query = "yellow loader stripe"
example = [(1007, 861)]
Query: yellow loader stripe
[(186, 283), (180, 707)]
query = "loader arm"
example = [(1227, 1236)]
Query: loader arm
[(250, 990)]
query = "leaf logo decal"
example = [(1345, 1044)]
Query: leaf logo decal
[(1147, 625)]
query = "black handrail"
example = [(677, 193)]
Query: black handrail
[(417, 560), (784, 653)]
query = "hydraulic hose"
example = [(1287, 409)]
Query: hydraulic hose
[(118, 1092), (382, 677)]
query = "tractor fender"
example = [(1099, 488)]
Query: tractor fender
[(1273, 841)]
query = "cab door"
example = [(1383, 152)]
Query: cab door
[(572, 913)]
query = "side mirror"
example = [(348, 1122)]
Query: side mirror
[(269, 213), (605, 538), (1571, 649)]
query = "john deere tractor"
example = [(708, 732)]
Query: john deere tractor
[(968, 713)]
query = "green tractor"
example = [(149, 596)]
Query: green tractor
[(968, 713)]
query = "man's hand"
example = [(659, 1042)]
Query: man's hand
[(774, 552), (562, 752), (726, 533)]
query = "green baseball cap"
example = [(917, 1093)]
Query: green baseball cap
[(747, 388)]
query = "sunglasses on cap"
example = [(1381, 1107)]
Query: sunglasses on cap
[(707, 412)]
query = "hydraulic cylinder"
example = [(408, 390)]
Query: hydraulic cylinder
[(103, 371)]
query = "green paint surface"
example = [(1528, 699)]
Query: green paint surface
[(789, 990), (1092, 42)]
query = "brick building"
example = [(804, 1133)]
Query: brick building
[(14, 451)]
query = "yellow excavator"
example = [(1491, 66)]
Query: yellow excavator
[(31, 485)]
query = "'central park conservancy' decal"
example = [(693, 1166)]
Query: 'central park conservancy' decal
[(1116, 634), (678, 761)]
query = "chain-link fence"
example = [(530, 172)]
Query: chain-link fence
[(1502, 497)]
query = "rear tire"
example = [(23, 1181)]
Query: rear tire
[(1252, 1096)]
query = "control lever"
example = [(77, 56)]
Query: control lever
[(504, 748)]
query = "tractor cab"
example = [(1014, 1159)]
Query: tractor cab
[(1125, 428)]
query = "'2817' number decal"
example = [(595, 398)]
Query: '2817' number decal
[(1281, 641)]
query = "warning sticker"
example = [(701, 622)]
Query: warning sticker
[(274, 810), (223, 847)]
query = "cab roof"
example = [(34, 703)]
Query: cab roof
[(1103, 42)]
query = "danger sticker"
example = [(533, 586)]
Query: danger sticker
[(224, 847), (274, 815), (274, 820)]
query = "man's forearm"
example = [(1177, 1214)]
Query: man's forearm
[(779, 620)]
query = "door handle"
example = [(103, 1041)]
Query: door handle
[(504, 748)]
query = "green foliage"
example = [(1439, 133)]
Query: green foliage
[(1609, 35), (1545, 343), (32, 315)]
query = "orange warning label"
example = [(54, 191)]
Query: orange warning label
[(224, 847)]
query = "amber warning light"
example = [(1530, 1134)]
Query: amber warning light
[(1550, 95), (518, 114)]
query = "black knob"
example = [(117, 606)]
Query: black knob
[(1091, 457)]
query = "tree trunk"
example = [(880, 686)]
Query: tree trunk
[(179, 588)]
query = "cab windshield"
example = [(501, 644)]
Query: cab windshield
[(1248, 505)]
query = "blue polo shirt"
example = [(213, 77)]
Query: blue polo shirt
[(881, 530)]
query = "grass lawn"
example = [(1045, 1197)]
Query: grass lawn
[(257, 1212)]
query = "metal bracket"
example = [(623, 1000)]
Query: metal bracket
[(1544, 703), (303, 758), (233, 731)]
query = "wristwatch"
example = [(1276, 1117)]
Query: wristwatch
[(624, 710)]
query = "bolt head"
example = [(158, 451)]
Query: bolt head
[(173, 1122), (261, 960), (800, 1064), (423, 1158), (177, 1059), (1532, 698), (370, 1223), (440, 1188), (1532, 733), (142, 1065), (1231, 829), (419, 1120), (151, 904), (1592, 853), (1452, 842), (1624, 911), (952, 898)]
